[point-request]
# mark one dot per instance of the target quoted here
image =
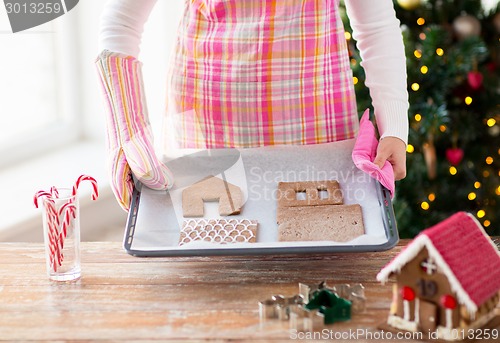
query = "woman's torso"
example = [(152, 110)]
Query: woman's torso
[(248, 73)]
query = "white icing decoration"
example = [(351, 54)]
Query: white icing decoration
[(217, 231)]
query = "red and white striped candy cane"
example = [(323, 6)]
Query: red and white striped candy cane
[(58, 222), (41, 194), (54, 191), (53, 222), (95, 192), (52, 219), (66, 212), (57, 235)]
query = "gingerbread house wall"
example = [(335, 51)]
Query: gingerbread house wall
[(410, 275), (466, 318), (287, 193), (229, 196)]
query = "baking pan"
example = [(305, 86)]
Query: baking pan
[(155, 217)]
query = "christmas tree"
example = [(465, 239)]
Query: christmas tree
[(453, 155)]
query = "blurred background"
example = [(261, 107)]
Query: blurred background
[(52, 124), (453, 64)]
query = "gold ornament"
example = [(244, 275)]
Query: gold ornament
[(409, 4), (466, 26)]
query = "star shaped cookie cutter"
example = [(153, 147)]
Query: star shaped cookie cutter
[(279, 307), (305, 320)]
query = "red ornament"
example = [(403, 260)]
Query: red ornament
[(448, 302), (475, 79), (407, 293), (454, 155)]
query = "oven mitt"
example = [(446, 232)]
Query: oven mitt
[(129, 136), (364, 152)]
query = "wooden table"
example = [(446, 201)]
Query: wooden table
[(121, 297)]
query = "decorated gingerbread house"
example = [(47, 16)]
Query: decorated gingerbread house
[(447, 279)]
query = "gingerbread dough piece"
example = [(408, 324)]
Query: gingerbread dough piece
[(340, 223), (229, 196), (315, 193), (221, 231)]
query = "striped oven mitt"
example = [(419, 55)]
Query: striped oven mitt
[(129, 136)]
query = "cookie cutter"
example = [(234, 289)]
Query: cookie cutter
[(341, 300), (279, 307), (305, 320), (333, 307), (355, 293)]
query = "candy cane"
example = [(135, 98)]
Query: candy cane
[(40, 194), (53, 230), (58, 222), (95, 192), (54, 191), (67, 211), (56, 235), (52, 219)]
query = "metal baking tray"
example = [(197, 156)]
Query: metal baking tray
[(155, 217)]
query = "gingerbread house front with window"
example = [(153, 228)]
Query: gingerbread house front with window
[(447, 279)]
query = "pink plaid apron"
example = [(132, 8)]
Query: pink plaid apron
[(248, 73)]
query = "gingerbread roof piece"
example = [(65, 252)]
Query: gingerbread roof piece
[(211, 188), (463, 252)]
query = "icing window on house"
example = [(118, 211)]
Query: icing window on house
[(428, 266)]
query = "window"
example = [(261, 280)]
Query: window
[(62, 134), (323, 193), (301, 195), (35, 96)]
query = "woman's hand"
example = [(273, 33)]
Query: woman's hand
[(392, 149)]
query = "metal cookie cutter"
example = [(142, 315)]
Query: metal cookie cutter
[(304, 320), (354, 293), (279, 307)]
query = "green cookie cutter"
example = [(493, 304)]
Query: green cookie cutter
[(333, 307)]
